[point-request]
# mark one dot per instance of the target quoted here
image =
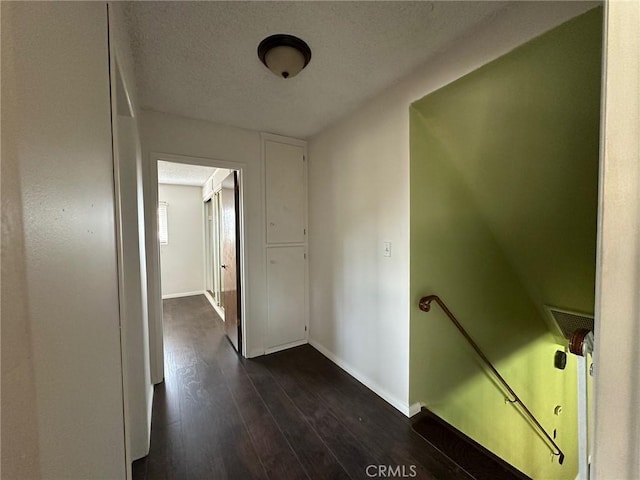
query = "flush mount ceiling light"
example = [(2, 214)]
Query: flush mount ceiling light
[(285, 55)]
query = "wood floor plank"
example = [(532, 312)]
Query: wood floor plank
[(235, 446), (382, 429), (276, 454), (216, 440), (291, 415), (201, 444), (168, 461), (314, 455), (347, 448)]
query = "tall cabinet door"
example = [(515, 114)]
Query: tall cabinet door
[(286, 243), (286, 193), (286, 306)]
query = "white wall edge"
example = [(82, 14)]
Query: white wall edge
[(404, 408), (150, 413), (147, 447), (183, 294), (616, 440), (286, 346)]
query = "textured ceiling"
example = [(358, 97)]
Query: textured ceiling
[(198, 59), (181, 174)]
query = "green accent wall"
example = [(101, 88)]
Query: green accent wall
[(503, 199)]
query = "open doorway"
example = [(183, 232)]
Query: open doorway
[(200, 239), (222, 244)]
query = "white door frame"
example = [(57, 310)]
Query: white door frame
[(151, 193)]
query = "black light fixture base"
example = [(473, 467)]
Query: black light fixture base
[(283, 40)]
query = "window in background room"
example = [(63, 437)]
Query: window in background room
[(163, 229)]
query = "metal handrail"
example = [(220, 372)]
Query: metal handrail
[(425, 306)]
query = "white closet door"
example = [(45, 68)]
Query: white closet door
[(285, 193), (286, 271)]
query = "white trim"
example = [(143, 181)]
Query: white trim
[(415, 408), (215, 306), (219, 311), (282, 139), (285, 346), (154, 281), (240, 167), (256, 352), (202, 161), (403, 407), (115, 74), (210, 298), (183, 294), (205, 251)]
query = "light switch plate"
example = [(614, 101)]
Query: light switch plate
[(386, 249)]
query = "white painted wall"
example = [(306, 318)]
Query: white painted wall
[(231, 148), (59, 224), (132, 269), (20, 455), (182, 259), (616, 452), (359, 198)]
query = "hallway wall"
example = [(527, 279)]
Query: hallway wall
[(359, 198), (182, 259), (234, 147), (19, 410), (62, 398)]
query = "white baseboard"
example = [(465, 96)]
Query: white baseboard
[(366, 381), (256, 352), (284, 347), (210, 298), (183, 294), (215, 305), (415, 408), (218, 310)]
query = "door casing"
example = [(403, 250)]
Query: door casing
[(156, 339)]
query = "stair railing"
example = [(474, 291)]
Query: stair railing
[(425, 306)]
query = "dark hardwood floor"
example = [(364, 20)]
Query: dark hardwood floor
[(289, 415)]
